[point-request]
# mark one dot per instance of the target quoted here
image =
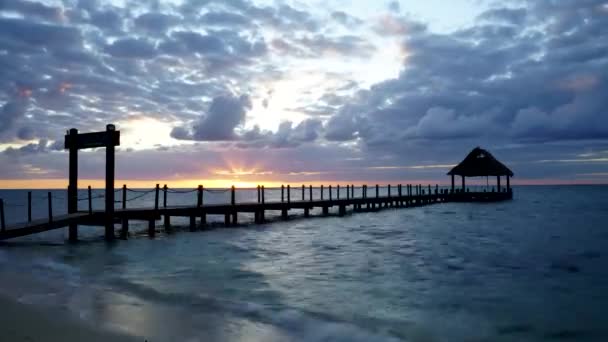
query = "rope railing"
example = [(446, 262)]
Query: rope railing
[(285, 193)]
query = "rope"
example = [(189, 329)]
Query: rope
[(217, 191), (136, 197), (140, 191), (172, 191)]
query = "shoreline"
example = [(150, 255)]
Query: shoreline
[(25, 322)]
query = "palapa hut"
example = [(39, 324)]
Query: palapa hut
[(481, 163)]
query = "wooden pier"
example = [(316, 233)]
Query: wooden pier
[(479, 163), (403, 197)]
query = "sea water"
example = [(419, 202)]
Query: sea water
[(531, 269)]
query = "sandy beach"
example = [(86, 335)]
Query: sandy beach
[(21, 322)]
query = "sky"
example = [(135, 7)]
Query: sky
[(249, 92)]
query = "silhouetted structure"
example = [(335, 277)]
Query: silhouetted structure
[(478, 163), (481, 163)]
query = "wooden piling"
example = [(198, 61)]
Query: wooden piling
[(303, 190), (110, 170), (259, 194), (233, 195), (167, 222), (165, 196), (124, 196), (322, 192), (199, 196), (2, 219), (50, 202), (347, 191), (338, 192), (156, 197), (284, 214), (29, 206), (310, 192), (90, 197), (151, 228), (377, 191), (227, 219), (192, 223), (306, 212), (124, 232), (282, 193), (288, 193), (330, 195), (263, 195)]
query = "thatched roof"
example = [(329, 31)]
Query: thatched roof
[(480, 163)]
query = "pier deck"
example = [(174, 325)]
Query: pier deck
[(231, 211)]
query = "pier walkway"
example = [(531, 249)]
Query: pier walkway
[(406, 196)]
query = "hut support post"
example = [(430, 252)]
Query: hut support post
[(498, 183), (453, 184), (463, 185), (508, 183)]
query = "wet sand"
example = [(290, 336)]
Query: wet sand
[(22, 322)]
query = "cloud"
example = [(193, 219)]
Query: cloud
[(132, 48), (224, 115)]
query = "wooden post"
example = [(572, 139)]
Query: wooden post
[(156, 197), (310, 192), (377, 191), (347, 191), (330, 196), (50, 201), (199, 196), (288, 193), (508, 183), (167, 222), (227, 219), (110, 168), (124, 196), (429, 189), (2, 219), (452, 183), (263, 199), (322, 192), (151, 228), (259, 195), (192, 223), (338, 192), (165, 196), (463, 185), (90, 195), (498, 183), (233, 195), (303, 190), (436, 189), (389, 191), (73, 184), (29, 206), (282, 193)]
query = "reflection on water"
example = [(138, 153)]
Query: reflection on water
[(530, 269)]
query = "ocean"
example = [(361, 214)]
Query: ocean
[(531, 269)]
